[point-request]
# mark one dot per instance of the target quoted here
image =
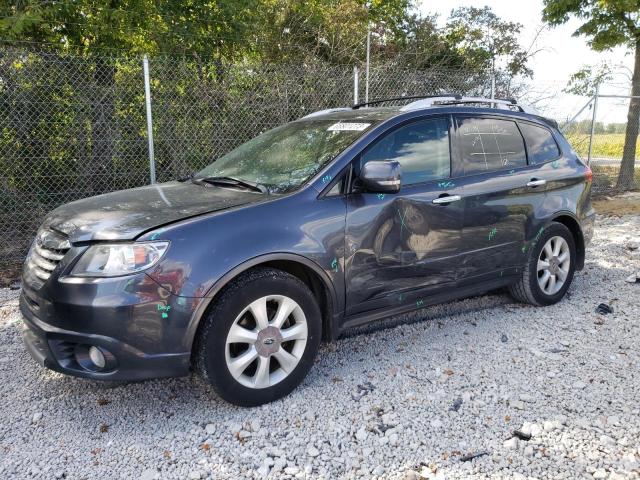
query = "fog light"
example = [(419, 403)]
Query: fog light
[(97, 357)]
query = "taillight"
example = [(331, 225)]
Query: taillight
[(588, 174)]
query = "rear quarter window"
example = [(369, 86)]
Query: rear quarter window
[(489, 144), (541, 145)]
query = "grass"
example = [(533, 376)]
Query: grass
[(607, 145)]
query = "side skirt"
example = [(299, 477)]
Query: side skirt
[(454, 293)]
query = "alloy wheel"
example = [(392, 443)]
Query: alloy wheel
[(553, 266), (266, 341)]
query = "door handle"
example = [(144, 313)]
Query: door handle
[(446, 199), (536, 183)]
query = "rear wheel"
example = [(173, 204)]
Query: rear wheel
[(549, 269), (260, 338)]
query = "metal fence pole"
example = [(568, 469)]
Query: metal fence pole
[(366, 86), (355, 84), (593, 122), (147, 97)]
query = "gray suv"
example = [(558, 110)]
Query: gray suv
[(337, 220)]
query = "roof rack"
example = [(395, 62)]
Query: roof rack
[(356, 106), (440, 100), (444, 100)]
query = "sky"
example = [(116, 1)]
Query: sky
[(561, 55)]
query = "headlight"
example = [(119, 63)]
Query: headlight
[(112, 260)]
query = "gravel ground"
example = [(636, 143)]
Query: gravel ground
[(407, 402)]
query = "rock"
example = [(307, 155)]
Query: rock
[(607, 441), (235, 427), (308, 469), (210, 429), (600, 473), (525, 428), (291, 470), (436, 423), (548, 426), (504, 338), (263, 471), (535, 430), (525, 397), (194, 475), (617, 476), (511, 444), (528, 451), (517, 404), (633, 278), (457, 403), (412, 475), (313, 451), (379, 470), (148, 474), (361, 434), (36, 417), (579, 385)]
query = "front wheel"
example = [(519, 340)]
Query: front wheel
[(549, 269), (260, 338)]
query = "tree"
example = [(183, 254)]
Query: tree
[(483, 38), (608, 24), (96, 30)]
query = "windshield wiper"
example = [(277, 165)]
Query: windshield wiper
[(233, 182)]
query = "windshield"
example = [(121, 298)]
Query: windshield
[(284, 158)]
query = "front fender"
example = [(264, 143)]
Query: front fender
[(208, 251)]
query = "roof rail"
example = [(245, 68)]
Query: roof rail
[(444, 100), (356, 106)]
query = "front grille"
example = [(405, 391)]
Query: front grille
[(48, 249)]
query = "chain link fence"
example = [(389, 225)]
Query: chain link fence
[(610, 145), (76, 126)]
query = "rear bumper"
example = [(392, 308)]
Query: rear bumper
[(65, 351)]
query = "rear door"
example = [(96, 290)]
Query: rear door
[(499, 193), (402, 247)]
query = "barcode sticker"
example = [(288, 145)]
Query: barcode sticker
[(341, 126)]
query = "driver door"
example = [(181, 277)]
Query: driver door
[(403, 247)]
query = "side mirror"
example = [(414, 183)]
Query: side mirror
[(381, 176)]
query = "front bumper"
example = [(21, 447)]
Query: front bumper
[(139, 345)]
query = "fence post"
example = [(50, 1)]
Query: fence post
[(593, 122), (355, 84), (366, 86), (147, 97)]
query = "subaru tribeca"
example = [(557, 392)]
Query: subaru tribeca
[(330, 222)]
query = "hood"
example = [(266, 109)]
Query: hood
[(126, 214)]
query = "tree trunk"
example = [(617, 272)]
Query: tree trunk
[(99, 170), (627, 167)]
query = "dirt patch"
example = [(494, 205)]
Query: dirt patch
[(625, 204)]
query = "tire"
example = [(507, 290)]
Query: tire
[(241, 328), (528, 289)]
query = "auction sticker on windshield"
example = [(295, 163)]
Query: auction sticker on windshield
[(348, 126)]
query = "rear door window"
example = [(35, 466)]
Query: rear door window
[(540, 143), (489, 144)]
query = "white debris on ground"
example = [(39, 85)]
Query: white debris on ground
[(504, 391)]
